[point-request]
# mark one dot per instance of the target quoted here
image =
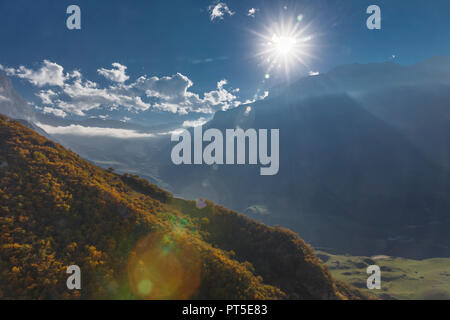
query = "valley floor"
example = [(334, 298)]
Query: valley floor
[(404, 279)]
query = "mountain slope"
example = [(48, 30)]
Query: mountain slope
[(132, 239)]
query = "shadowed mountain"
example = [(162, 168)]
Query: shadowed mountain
[(363, 160)]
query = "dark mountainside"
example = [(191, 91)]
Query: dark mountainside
[(364, 154), (11, 103), (133, 239)]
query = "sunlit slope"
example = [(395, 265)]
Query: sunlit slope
[(133, 240)]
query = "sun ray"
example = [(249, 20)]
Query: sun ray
[(285, 45)]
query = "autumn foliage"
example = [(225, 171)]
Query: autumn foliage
[(57, 209)]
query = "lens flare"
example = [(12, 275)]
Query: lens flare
[(164, 266)]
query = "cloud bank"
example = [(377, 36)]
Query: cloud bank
[(194, 123), (48, 74), (62, 93), (78, 130)]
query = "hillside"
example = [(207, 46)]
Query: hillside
[(133, 240)]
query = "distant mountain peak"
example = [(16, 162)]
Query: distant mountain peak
[(11, 103)]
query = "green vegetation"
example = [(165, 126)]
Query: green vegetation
[(133, 240), (400, 278)]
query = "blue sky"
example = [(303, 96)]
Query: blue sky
[(163, 38)]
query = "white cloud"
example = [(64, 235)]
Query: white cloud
[(194, 123), (171, 92), (257, 97), (222, 83), (50, 73), (117, 74), (78, 130), (220, 98), (314, 73), (170, 88), (252, 12), (76, 74), (46, 96), (76, 95), (218, 11), (264, 95), (172, 132), (54, 111), (174, 96), (86, 95), (3, 98)]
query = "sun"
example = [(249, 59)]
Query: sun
[(285, 46)]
